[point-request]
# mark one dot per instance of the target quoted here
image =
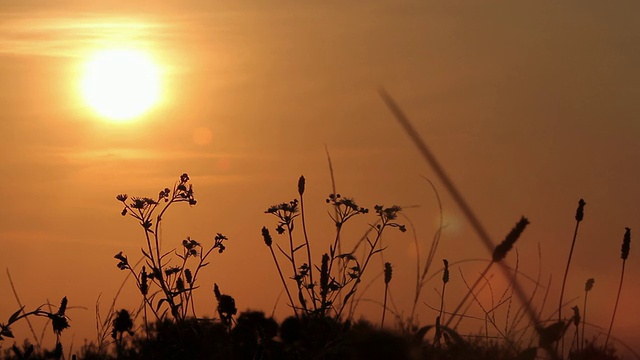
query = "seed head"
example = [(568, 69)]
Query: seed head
[(301, 185), (324, 274), (589, 284), (503, 248), (445, 273), (144, 284), (188, 276), (626, 244), (63, 306), (266, 236), (388, 272), (576, 316), (580, 210)]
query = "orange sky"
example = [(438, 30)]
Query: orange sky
[(528, 106)]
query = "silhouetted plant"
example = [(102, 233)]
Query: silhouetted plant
[(175, 283), (626, 245), (337, 284), (587, 287), (388, 272), (499, 253), (59, 322), (579, 217), (121, 324)]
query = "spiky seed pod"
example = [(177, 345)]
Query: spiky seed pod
[(626, 244), (589, 284), (301, 185), (503, 248), (445, 273), (580, 210), (388, 272), (266, 236)]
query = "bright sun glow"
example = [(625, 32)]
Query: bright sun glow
[(121, 84)]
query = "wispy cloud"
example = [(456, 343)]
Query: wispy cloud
[(53, 34)]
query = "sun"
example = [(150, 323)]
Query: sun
[(120, 84)]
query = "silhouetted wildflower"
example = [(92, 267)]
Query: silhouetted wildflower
[(191, 246), (218, 242), (124, 263), (137, 203), (122, 197), (171, 270)]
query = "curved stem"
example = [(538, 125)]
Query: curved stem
[(615, 308)]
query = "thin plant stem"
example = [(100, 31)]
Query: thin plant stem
[(469, 293), (306, 241), (460, 201), (615, 307), (384, 304), (626, 242), (579, 216), (15, 295), (284, 283)]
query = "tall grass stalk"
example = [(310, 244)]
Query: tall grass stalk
[(499, 254), (587, 287), (269, 241), (15, 295), (421, 277), (459, 199), (579, 217), (388, 273), (626, 244)]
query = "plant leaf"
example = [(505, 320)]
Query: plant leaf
[(160, 303), (14, 316), (298, 248), (419, 335)]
